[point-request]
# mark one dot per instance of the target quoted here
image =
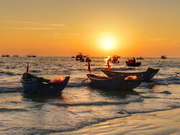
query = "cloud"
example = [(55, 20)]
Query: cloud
[(22, 22), (35, 28), (158, 39), (34, 23), (57, 25), (176, 43), (28, 25)]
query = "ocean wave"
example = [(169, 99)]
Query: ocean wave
[(10, 89), (97, 103), (35, 71), (2, 73), (11, 109), (77, 84), (167, 80)]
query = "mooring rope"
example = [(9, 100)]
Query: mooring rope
[(84, 80)]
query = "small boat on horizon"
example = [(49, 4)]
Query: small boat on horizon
[(5, 55), (82, 58), (31, 55), (115, 59), (140, 58), (163, 57), (132, 62)]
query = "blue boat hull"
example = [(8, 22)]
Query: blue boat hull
[(37, 86), (144, 75), (133, 64), (113, 83)]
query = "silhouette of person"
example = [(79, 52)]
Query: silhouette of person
[(134, 60)]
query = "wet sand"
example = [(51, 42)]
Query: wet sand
[(155, 123)]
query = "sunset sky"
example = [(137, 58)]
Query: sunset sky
[(148, 28)]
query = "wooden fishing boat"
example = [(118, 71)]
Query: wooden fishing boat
[(113, 83), (144, 75), (39, 85), (115, 59), (132, 62), (129, 63)]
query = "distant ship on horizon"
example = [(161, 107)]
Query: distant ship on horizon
[(31, 55), (5, 55), (163, 57)]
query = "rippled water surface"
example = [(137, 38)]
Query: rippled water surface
[(79, 105)]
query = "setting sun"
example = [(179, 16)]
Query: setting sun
[(107, 41), (107, 44)]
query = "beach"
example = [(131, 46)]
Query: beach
[(155, 123)]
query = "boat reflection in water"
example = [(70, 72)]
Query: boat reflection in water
[(114, 93), (42, 98)]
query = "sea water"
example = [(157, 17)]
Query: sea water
[(80, 105)]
